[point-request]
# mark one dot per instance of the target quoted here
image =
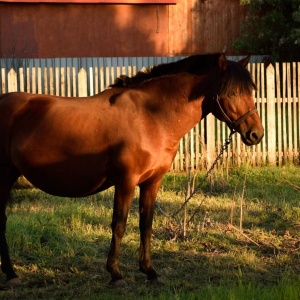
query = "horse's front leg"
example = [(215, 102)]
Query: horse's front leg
[(122, 201), (148, 194)]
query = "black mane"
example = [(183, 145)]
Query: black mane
[(234, 80), (195, 64)]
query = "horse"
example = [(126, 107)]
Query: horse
[(125, 136)]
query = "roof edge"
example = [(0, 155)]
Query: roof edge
[(93, 1)]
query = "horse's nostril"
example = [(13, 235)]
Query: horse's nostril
[(254, 136)]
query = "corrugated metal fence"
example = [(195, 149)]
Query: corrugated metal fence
[(277, 100)]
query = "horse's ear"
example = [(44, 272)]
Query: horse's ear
[(222, 62), (244, 62)]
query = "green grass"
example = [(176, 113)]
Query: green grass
[(59, 246)]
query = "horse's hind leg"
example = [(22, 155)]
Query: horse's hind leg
[(8, 176)]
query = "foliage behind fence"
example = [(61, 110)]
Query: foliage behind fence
[(277, 101)]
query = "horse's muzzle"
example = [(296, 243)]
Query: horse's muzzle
[(253, 136)]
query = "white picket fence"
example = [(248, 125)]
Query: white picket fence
[(277, 101)]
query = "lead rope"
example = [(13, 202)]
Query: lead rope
[(223, 148)]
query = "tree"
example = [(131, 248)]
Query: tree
[(271, 27)]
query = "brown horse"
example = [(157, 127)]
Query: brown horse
[(126, 136)]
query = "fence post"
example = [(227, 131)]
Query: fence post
[(12, 81), (21, 75), (3, 82), (271, 119), (82, 83), (210, 142), (91, 75)]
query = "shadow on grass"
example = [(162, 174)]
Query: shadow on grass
[(186, 269), (59, 246)]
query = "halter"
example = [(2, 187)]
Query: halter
[(233, 124)]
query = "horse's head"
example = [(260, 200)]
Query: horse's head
[(234, 103)]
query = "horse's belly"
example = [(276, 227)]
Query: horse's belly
[(65, 180)]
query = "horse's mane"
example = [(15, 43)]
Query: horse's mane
[(235, 80), (195, 64)]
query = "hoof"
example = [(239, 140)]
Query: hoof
[(14, 282), (121, 283)]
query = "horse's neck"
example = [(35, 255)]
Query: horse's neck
[(179, 101)]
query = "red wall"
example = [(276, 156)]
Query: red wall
[(68, 30)]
